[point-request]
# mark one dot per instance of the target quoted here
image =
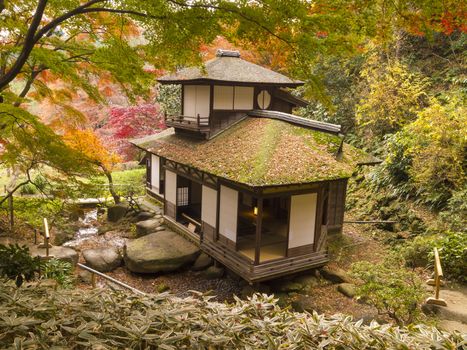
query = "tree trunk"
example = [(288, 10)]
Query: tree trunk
[(114, 194)]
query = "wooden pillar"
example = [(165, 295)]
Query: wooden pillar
[(259, 220)]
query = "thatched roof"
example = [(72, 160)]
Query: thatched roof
[(262, 152), (227, 67)]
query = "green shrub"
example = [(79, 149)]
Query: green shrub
[(17, 264), (60, 271), (417, 253), (391, 288), (452, 248), (455, 214), (453, 254), (40, 318)]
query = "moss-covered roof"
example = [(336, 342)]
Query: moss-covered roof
[(229, 69), (261, 152)]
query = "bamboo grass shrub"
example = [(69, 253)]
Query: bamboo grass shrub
[(38, 317)]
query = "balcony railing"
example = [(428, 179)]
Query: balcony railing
[(188, 122)]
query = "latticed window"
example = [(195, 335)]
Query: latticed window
[(182, 196)]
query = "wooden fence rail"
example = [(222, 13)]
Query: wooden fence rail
[(436, 282), (108, 278)]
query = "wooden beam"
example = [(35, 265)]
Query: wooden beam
[(259, 220)]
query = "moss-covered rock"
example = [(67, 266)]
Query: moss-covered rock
[(163, 251)]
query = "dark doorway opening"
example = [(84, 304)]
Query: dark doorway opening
[(189, 203)]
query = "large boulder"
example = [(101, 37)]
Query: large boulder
[(147, 226), (117, 212), (162, 251), (60, 253), (335, 275), (102, 259)]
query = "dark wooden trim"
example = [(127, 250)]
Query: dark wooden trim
[(218, 206), (182, 107), (289, 207), (148, 169), (170, 209), (259, 221), (227, 241), (155, 195), (209, 232), (302, 250), (318, 218), (191, 173)]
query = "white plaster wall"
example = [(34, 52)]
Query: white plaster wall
[(209, 206), (189, 100), (223, 97), (196, 100), (228, 213), (202, 100), (243, 97), (171, 186), (302, 220), (155, 173)]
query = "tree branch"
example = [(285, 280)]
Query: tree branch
[(238, 13), (28, 85), (29, 43)]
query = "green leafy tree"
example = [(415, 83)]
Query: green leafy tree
[(391, 288), (430, 151), (392, 97), (59, 50)]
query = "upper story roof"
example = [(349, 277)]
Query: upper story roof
[(229, 67), (262, 152)]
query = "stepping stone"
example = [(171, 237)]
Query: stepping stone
[(214, 272), (144, 215), (147, 226), (203, 261), (348, 289), (335, 274)]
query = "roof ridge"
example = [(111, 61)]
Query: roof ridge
[(310, 123)]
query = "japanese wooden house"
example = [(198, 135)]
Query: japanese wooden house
[(259, 188)]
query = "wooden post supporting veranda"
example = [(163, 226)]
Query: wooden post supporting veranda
[(436, 282)]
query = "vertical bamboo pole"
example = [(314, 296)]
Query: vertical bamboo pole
[(46, 237)]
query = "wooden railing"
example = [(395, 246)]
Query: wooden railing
[(188, 120), (95, 273), (436, 282)]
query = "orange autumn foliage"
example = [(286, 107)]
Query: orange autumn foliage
[(88, 143)]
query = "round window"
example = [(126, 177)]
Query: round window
[(264, 99)]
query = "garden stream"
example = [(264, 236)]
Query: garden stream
[(87, 235)]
